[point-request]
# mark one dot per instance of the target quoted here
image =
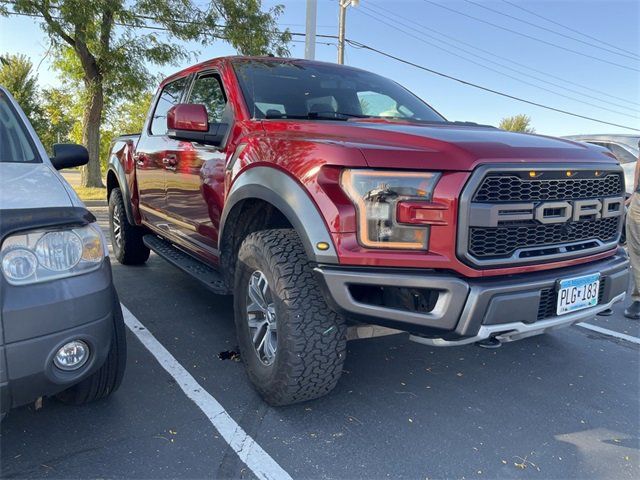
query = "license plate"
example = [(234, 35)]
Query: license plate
[(578, 293)]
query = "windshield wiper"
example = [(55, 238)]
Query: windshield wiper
[(341, 116), (332, 114)]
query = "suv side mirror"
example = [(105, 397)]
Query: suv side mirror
[(67, 155), (190, 122)]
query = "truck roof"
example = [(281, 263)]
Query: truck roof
[(247, 58)]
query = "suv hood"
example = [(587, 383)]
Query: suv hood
[(396, 144), (31, 185)]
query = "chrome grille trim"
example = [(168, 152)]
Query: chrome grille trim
[(530, 254)]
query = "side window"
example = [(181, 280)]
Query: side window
[(170, 96), (207, 91)]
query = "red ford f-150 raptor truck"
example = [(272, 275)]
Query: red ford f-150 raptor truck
[(322, 195)]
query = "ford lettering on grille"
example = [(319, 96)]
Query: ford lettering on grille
[(517, 215), (490, 215)]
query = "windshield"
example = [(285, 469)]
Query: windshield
[(14, 140), (274, 89)]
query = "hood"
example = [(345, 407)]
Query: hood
[(31, 185), (394, 144)]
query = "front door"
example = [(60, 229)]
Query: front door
[(195, 186), (154, 153)]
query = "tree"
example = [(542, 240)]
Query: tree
[(108, 44), (16, 75), (63, 117), (53, 113), (517, 123)]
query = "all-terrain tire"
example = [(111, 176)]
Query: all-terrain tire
[(311, 338), (108, 378), (128, 247)]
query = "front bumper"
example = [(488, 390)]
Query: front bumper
[(38, 319), (469, 310)]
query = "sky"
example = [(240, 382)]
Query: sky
[(442, 36)]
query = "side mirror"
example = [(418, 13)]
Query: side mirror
[(67, 155), (187, 117), (190, 122)]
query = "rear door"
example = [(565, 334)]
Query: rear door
[(156, 153), (195, 188)]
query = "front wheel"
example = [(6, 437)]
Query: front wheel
[(126, 239), (292, 344)]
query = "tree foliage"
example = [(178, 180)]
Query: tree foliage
[(17, 76), (107, 45), (517, 123), (63, 117)]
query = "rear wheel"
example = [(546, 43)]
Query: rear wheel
[(108, 378), (126, 239), (292, 344)]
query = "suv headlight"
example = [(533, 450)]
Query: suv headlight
[(376, 195), (41, 255)]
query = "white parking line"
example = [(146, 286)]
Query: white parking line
[(611, 333), (254, 457)]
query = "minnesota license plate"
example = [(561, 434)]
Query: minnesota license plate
[(578, 293)]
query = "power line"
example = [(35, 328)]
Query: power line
[(568, 28), (526, 22), (360, 45), (364, 10), (356, 44), (532, 37), (493, 54)]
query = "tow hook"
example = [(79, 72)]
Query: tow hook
[(491, 343)]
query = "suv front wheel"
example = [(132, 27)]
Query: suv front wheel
[(292, 344)]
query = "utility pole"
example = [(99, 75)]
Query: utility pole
[(310, 37), (342, 18)]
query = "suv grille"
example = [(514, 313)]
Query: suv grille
[(508, 188), (490, 239)]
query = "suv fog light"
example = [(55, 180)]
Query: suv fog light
[(72, 355)]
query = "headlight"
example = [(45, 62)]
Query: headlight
[(376, 195), (39, 256)]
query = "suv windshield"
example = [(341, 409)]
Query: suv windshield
[(15, 145), (290, 89)]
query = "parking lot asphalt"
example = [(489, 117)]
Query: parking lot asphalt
[(562, 405)]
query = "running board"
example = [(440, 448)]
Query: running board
[(208, 276)]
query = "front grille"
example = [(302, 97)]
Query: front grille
[(489, 242), (549, 300), (509, 188), (501, 223)]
